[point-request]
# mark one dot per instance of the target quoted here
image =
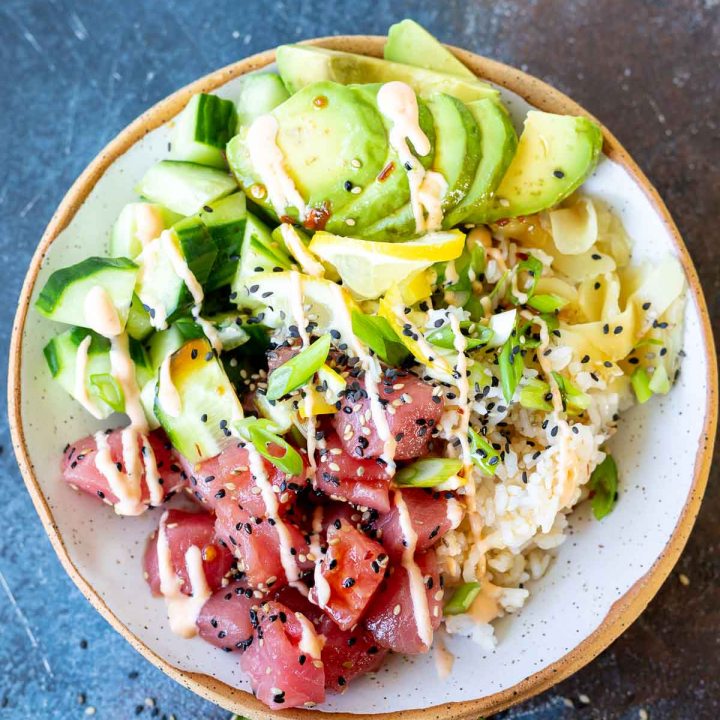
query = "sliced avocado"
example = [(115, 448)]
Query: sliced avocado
[(412, 44), (329, 134), (554, 156), (389, 189), (301, 65), (497, 145)]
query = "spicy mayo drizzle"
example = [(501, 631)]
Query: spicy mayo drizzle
[(80, 385), (183, 610), (397, 102)]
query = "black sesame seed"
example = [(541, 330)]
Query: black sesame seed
[(559, 174)]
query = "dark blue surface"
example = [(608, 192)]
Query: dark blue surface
[(74, 73)]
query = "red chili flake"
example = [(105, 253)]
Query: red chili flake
[(502, 222), (385, 172), (317, 217), (287, 219), (320, 101)]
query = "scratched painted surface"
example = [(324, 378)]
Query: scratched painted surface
[(74, 73)]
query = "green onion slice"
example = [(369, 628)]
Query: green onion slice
[(603, 485), (640, 381), (574, 399), (461, 600), (484, 455), (298, 370), (659, 381), (428, 472), (547, 303), (511, 365), (533, 267), (444, 337), (377, 333), (534, 395), (263, 435)]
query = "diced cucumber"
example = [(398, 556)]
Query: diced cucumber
[(64, 295), (225, 220), (259, 94), (168, 341), (208, 403), (259, 253), (159, 287), (279, 411), (185, 187), (138, 323), (147, 398), (138, 224), (230, 330), (61, 355), (203, 129)]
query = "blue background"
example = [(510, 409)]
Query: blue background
[(74, 73)]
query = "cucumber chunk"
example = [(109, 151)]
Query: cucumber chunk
[(168, 341), (138, 224), (259, 94), (301, 65), (184, 187), (497, 146), (207, 400), (162, 291), (61, 355), (138, 325), (259, 253), (63, 298), (203, 129), (225, 220), (554, 156), (412, 44)]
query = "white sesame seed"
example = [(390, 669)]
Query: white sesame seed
[(349, 222), (396, 610), (584, 699), (684, 579)]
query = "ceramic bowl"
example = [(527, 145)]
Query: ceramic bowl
[(604, 575)]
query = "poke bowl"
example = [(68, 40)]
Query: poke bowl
[(587, 452)]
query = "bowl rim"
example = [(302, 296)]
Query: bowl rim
[(621, 614)]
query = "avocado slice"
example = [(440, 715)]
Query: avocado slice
[(301, 65), (329, 134), (389, 189), (554, 156), (412, 44), (497, 146), (458, 150)]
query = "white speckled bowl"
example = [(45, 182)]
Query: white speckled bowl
[(605, 574)]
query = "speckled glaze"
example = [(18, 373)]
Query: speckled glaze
[(605, 574)]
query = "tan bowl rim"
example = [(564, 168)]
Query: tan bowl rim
[(623, 612)]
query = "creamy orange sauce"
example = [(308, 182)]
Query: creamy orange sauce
[(100, 313)]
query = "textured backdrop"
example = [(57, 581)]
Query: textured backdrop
[(74, 73)]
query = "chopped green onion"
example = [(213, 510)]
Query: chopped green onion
[(511, 365), (262, 434), (603, 486), (551, 320), (377, 333), (574, 399), (534, 269), (533, 395), (428, 472), (107, 389), (659, 381), (528, 340), (444, 337), (547, 303), (298, 370), (484, 455), (640, 382), (648, 341), (461, 600)]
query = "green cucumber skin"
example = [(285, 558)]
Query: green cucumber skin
[(168, 341), (71, 339), (225, 220), (51, 294), (138, 325)]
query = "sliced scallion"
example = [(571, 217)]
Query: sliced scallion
[(484, 455), (263, 435), (511, 365), (462, 599), (603, 485), (659, 381), (298, 370), (377, 333), (534, 395), (574, 399), (444, 337), (547, 303), (640, 381), (107, 389), (533, 267), (428, 472)]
